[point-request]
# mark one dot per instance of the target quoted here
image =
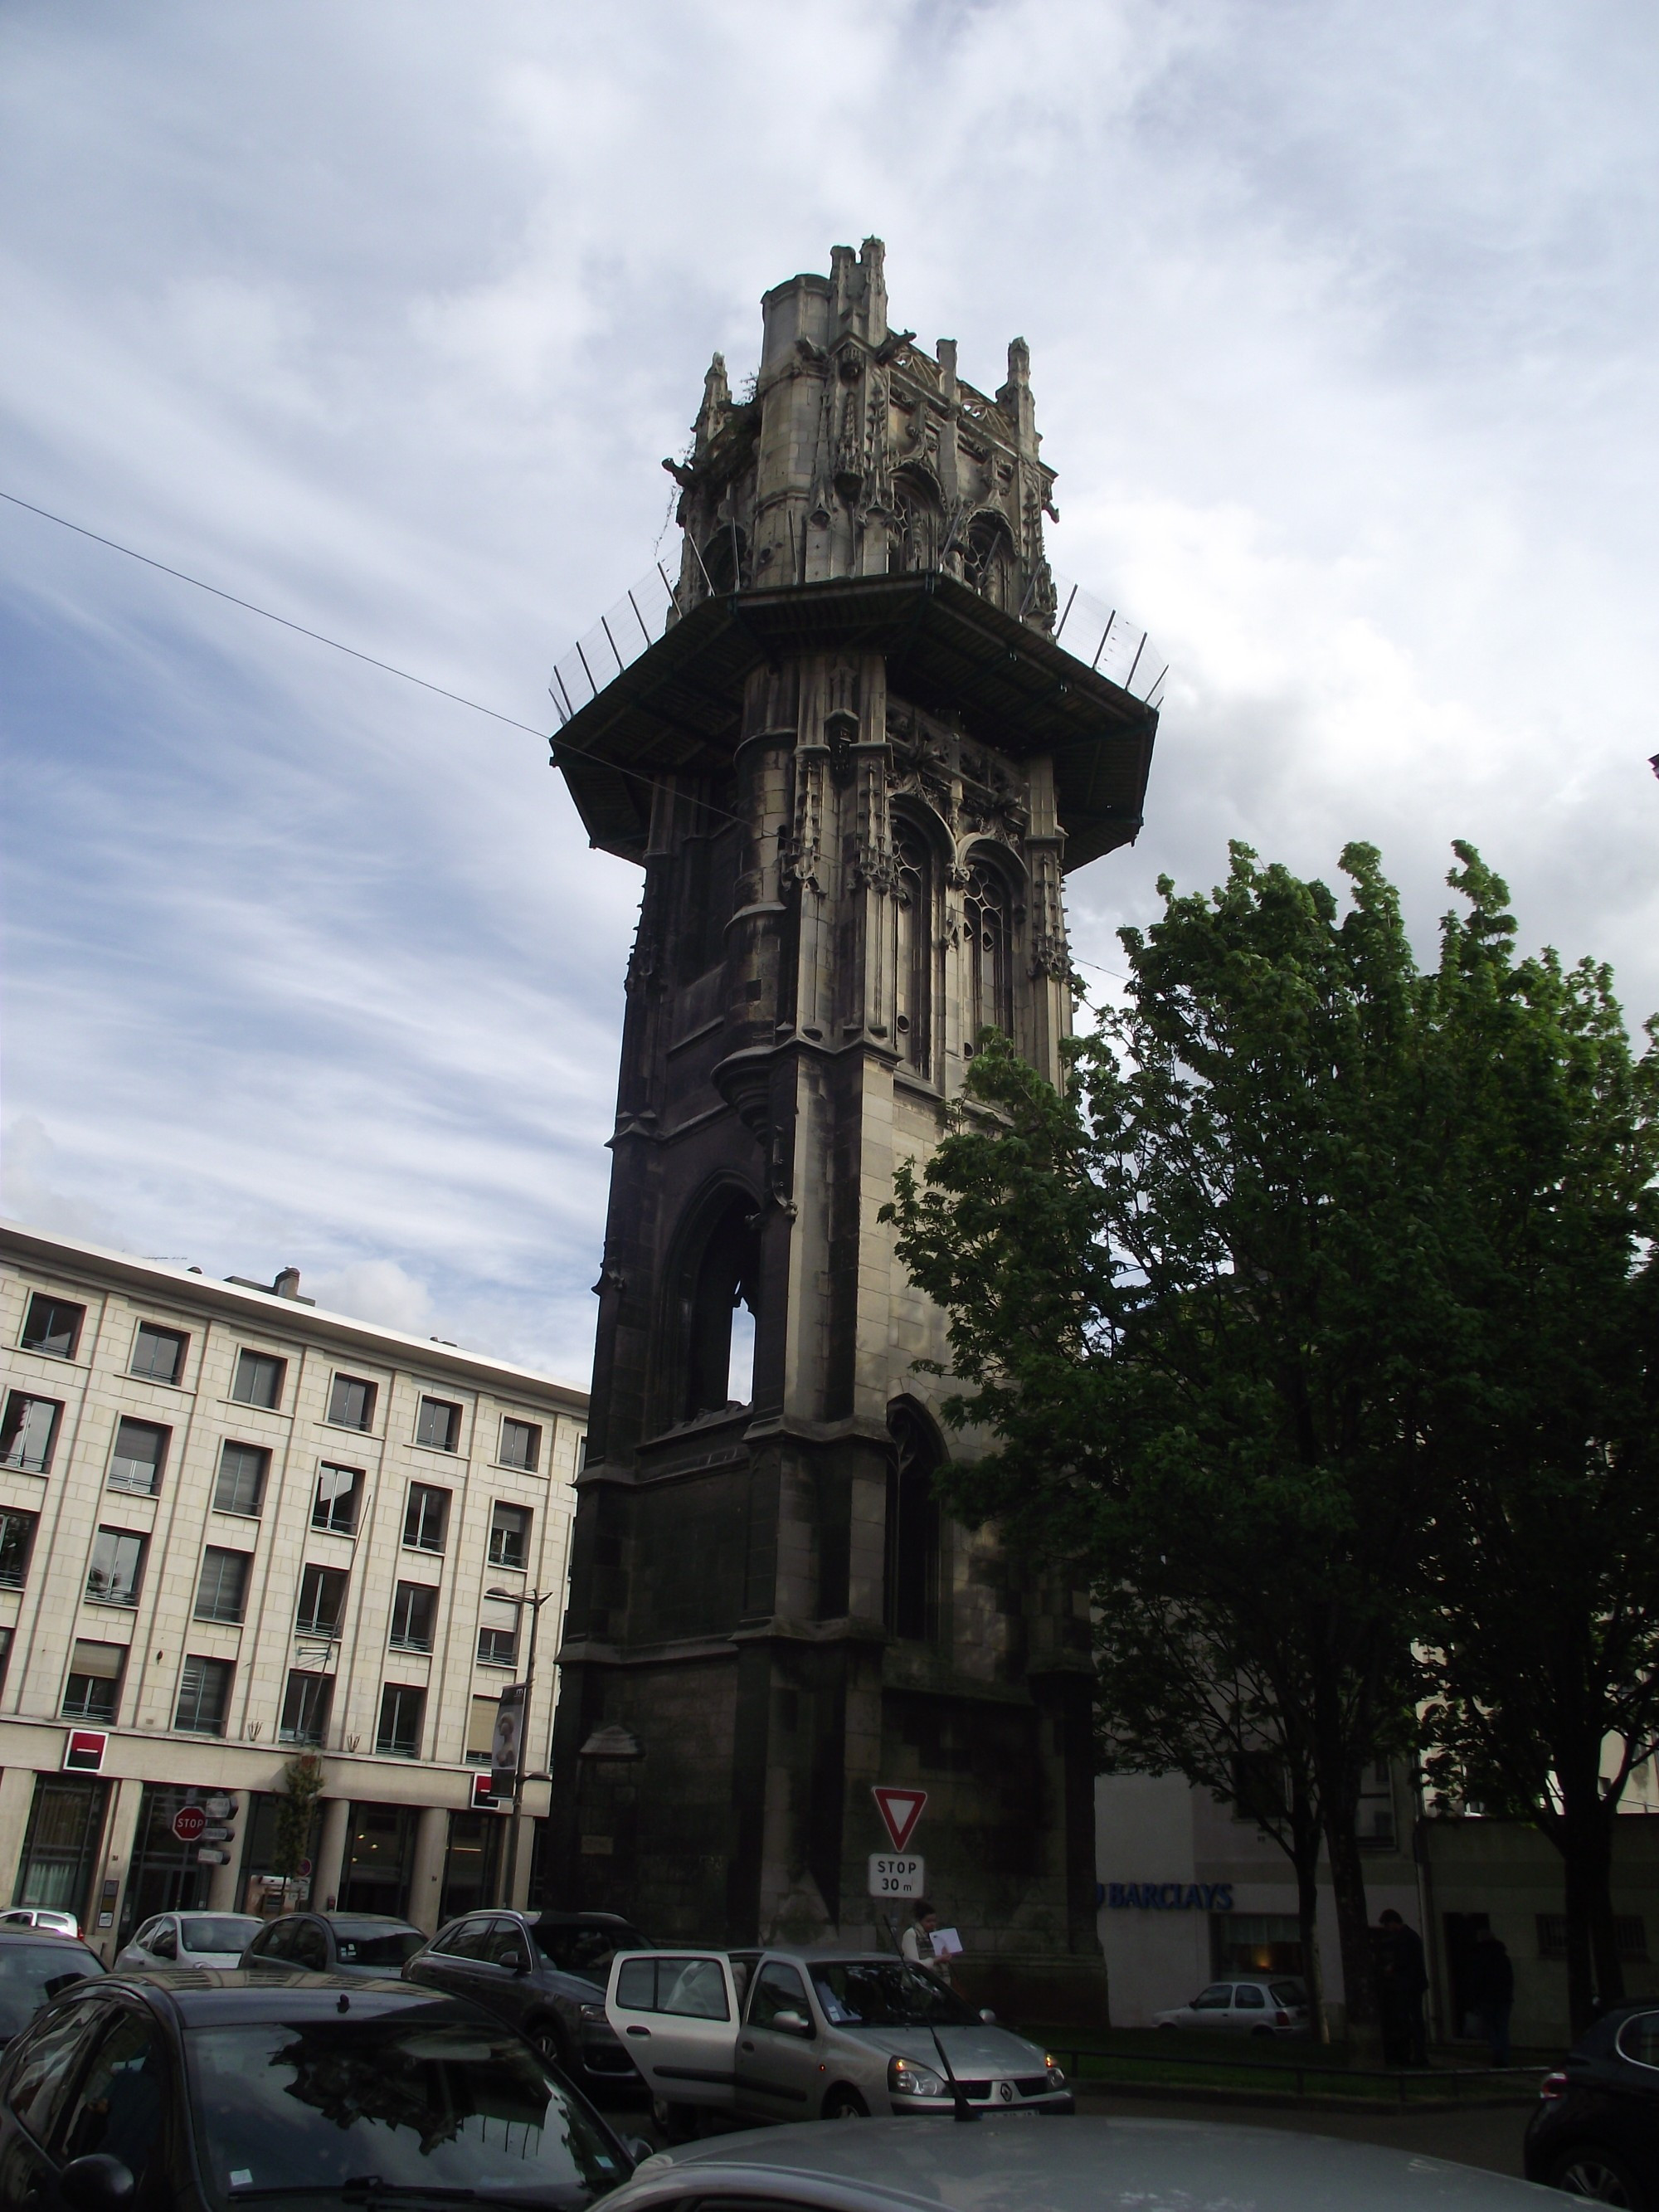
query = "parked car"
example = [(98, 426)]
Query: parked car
[(191, 1939), (1088, 2165), (195, 2090), (790, 2035), (37, 1966), (333, 1943), (43, 1917), (1249, 2004), (545, 1973), (1594, 2131)]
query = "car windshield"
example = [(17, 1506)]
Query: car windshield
[(217, 1931), (378, 1950), (588, 1951), (885, 1993), (32, 1972), (308, 2107)]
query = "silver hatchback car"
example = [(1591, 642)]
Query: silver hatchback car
[(800, 2035), (1245, 2004)]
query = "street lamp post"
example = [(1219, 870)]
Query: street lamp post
[(535, 1600)]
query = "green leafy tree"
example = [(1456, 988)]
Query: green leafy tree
[(1250, 1307), (1544, 1656), (296, 1806)]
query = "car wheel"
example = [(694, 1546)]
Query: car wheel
[(845, 2104), (1600, 2175), (1168, 2027), (547, 2039)]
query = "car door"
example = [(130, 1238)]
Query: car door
[(1213, 2007), (41, 2069), (506, 1970), (677, 2014), (778, 2069), (449, 1963), (1250, 2012), (123, 2107), (272, 1947), (163, 1943), (308, 1946)]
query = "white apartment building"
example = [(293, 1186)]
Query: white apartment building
[(234, 1528)]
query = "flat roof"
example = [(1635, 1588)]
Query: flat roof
[(265, 1312)]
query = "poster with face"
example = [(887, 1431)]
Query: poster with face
[(509, 1732)]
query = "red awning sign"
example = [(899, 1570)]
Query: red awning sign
[(83, 1752), (900, 1810), (188, 1823)]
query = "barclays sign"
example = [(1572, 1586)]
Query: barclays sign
[(1171, 1896)]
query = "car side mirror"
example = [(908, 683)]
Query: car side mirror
[(987, 2016), (791, 2022), (513, 1959), (96, 2183), (638, 2148)]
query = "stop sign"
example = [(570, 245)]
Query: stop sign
[(188, 1823)]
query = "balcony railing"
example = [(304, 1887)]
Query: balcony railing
[(1097, 635)]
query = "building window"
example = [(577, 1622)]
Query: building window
[(521, 1445), (5, 1652), (93, 1692), (1373, 1823), (117, 1567), (399, 1736), (140, 1450), (911, 1606), (914, 934), (158, 1354), (425, 1518), (1629, 1937), (305, 1704), (242, 1483), (439, 1425), (350, 1402), (29, 1431), (498, 1647), (335, 1506), (221, 1590), (322, 1601), (722, 1282), (481, 1731), (16, 1542), (259, 1380), (1261, 1786), (53, 1326), (204, 1696), (987, 932), (413, 1610), (509, 1536)]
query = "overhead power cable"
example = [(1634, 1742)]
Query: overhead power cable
[(317, 636)]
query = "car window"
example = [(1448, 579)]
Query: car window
[(163, 1943), (1638, 2039), (1250, 1996), (215, 1931), (142, 1939), (506, 1944), (48, 2065), (588, 1951), (121, 2102), (31, 1974), (1216, 1998), (470, 1940), (273, 1941), (386, 1952), (884, 1993), (694, 1987), (777, 1988), (307, 1947), (1288, 1993), (454, 2105)]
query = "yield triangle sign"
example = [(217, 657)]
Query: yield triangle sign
[(900, 1810)]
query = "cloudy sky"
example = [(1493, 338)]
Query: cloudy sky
[(381, 314)]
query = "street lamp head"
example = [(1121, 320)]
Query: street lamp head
[(512, 1597)]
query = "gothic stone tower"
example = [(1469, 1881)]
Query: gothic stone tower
[(853, 770)]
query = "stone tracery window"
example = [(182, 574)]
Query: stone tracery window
[(987, 920), (914, 933), (917, 524), (911, 1583), (989, 563), (721, 1287)]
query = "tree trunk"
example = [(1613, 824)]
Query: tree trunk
[(1307, 1915), (1353, 1934), (1583, 1833)]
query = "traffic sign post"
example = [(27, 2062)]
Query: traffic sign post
[(900, 1810), (897, 1873)]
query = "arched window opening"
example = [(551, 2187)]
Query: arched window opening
[(914, 540), (724, 1288), (911, 1591), (987, 935), (913, 945), (725, 558), (989, 563)]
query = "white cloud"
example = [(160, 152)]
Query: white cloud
[(381, 315)]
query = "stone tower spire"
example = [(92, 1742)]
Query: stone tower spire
[(854, 769)]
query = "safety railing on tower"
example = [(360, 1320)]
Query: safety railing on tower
[(1089, 631)]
